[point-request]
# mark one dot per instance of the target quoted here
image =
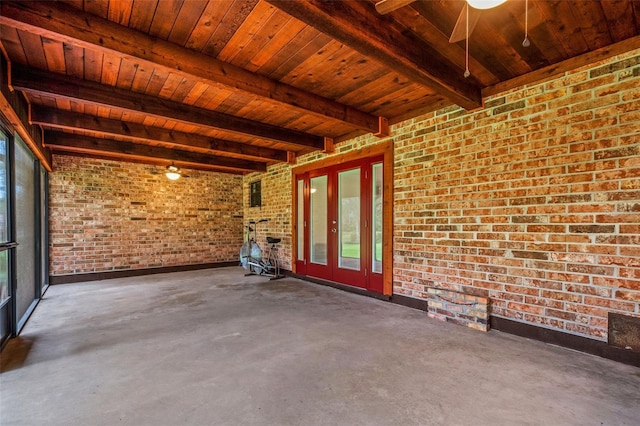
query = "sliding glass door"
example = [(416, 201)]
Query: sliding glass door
[(23, 233), (27, 279)]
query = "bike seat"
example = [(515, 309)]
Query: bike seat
[(272, 240)]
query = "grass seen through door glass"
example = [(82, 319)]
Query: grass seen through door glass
[(352, 250)]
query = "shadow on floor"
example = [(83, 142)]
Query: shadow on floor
[(14, 355)]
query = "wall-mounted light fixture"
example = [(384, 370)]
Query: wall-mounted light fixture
[(173, 172)]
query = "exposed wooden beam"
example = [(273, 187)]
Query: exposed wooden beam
[(146, 160), (58, 21), (127, 150), (359, 26), (15, 111), (68, 120), (65, 87)]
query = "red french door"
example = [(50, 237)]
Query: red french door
[(339, 223)]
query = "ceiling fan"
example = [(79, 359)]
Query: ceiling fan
[(460, 31), (467, 20), (172, 172)]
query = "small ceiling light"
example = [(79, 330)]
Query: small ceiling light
[(485, 4), (173, 172)]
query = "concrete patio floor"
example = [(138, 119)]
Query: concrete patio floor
[(213, 347)]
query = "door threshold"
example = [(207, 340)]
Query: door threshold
[(344, 287)]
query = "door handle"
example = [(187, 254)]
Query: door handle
[(6, 246)]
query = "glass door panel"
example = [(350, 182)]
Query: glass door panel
[(25, 174), (349, 219), (6, 243), (301, 222), (4, 220), (376, 218), (44, 231), (5, 298), (4, 276), (318, 217), (4, 190)]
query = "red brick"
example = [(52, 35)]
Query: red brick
[(620, 260), (540, 301), (609, 304), (630, 295), (564, 315), (549, 322), (556, 295), (583, 329), (599, 322), (521, 307)]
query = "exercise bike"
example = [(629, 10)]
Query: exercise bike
[(251, 254)]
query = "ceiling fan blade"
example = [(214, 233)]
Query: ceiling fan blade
[(460, 30), (387, 6)]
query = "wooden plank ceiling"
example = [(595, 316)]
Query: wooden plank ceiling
[(235, 85)]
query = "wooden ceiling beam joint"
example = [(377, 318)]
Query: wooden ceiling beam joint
[(383, 128), (329, 146), (291, 157)]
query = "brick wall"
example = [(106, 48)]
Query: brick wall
[(107, 216), (532, 202)]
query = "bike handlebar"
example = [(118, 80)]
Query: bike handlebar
[(253, 222)]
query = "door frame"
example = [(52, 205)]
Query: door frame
[(386, 150)]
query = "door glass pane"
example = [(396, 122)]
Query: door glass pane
[(318, 217), (4, 222), (376, 217), (300, 220), (4, 275), (4, 207), (25, 228), (349, 219), (44, 249)]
